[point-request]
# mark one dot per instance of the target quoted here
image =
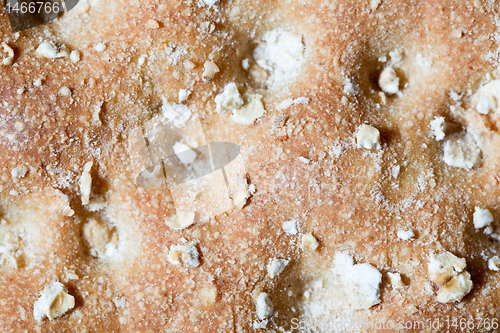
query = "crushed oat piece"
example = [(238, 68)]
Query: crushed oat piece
[(264, 306), (361, 281), (64, 91), (229, 100), (443, 266), (437, 127), (74, 56), (389, 80), (276, 267), (100, 47), (482, 217), (86, 182), (309, 242), (101, 238), (368, 137), (461, 151), (184, 153), (181, 220), (53, 302), (494, 263), (405, 235), (253, 110), (20, 171), (152, 24), (210, 69), (10, 54), (49, 50), (455, 289), (395, 280), (186, 254), (184, 95)]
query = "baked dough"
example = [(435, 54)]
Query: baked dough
[(323, 230)]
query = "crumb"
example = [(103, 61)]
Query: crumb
[(482, 218), (53, 302), (389, 80), (368, 137), (309, 243), (210, 69)]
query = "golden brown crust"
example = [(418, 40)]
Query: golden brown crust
[(350, 199)]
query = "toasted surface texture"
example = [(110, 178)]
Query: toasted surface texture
[(306, 75)]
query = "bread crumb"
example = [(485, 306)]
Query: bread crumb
[(361, 281), (486, 98), (289, 102), (461, 151), (74, 56), (86, 182), (494, 263), (368, 137), (53, 302), (210, 69), (405, 235), (184, 95), (437, 127), (186, 254), (455, 289), (229, 100), (374, 4), (389, 80), (482, 218), (64, 91), (282, 54), (304, 160), (176, 114), (49, 50), (101, 238), (20, 171), (309, 243), (152, 24), (443, 266), (10, 54), (250, 112), (264, 306), (181, 220), (37, 83), (240, 190), (100, 47), (290, 227), (210, 2), (64, 206), (245, 64), (276, 267), (395, 280)]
